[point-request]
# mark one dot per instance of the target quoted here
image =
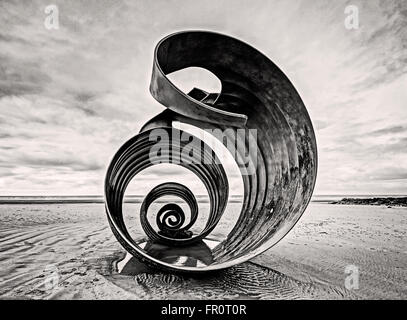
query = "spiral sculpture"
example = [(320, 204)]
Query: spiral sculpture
[(278, 175)]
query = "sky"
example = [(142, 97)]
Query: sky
[(70, 97)]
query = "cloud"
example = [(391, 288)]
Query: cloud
[(70, 97), (389, 173), (389, 130)]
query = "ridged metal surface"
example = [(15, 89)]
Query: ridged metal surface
[(256, 95)]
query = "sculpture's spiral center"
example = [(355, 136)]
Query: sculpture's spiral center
[(170, 218)]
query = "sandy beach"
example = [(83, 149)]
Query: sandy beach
[(72, 245)]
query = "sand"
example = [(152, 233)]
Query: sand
[(67, 251)]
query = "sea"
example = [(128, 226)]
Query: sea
[(139, 198)]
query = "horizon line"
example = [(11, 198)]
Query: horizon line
[(232, 195)]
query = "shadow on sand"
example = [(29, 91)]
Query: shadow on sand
[(245, 281)]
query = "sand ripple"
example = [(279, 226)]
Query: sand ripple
[(75, 242)]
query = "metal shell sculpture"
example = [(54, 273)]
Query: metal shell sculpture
[(255, 94)]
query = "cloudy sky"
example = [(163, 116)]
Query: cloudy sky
[(70, 97)]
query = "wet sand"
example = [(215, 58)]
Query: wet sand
[(67, 251)]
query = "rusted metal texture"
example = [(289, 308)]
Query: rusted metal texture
[(255, 95)]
